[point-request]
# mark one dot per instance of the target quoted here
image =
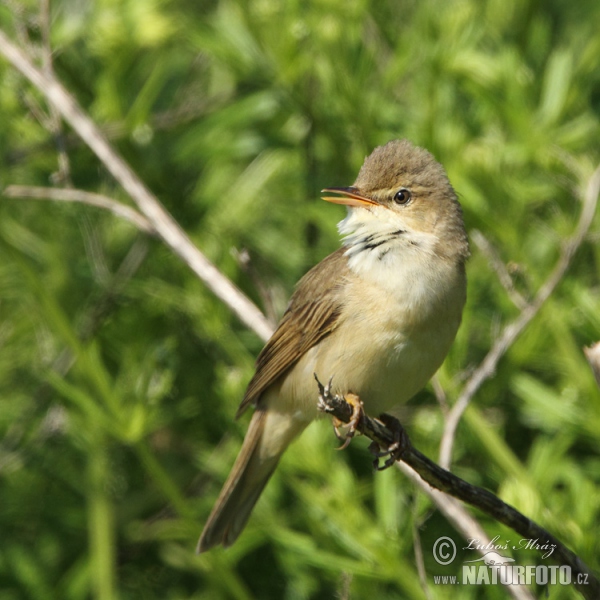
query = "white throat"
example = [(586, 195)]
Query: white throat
[(377, 239), (386, 253)]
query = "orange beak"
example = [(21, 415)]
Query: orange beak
[(348, 196)]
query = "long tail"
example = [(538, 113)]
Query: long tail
[(269, 434)]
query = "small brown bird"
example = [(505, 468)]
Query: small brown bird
[(378, 315)]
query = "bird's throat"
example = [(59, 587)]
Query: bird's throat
[(384, 251), (376, 233)]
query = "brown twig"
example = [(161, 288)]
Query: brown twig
[(166, 227), (456, 514), (484, 500), (511, 332), (462, 520)]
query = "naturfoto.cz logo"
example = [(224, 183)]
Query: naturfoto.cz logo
[(494, 567)]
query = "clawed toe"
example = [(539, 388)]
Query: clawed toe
[(324, 395), (353, 400), (396, 449), (352, 426)]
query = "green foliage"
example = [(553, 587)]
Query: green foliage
[(116, 418)]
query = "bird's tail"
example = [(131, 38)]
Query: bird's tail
[(269, 434)]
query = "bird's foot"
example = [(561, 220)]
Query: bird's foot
[(324, 404), (396, 449), (325, 396), (352, 426)]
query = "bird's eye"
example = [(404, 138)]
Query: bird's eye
[(402, 196)]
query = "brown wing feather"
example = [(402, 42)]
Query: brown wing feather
[(313, 313)]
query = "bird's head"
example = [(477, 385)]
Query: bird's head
[(402, 188)]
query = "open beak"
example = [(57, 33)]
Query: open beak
[(348, 196)]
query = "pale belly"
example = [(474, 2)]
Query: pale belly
[(385, 357)]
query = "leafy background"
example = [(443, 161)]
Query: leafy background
[(120, 373)]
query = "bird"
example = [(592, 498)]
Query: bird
[(378, 315)]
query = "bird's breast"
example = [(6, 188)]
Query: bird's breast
[(394, 332)]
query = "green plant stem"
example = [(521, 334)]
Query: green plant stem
[(100, 522)]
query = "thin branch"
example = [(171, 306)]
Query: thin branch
[(166, 227), (511, 332), (465, 523), (63, 177), (488, 250), (484, 500), (419, 559), (593, 357), (344, 587), (69, 195), (242, 257), (440, 394)]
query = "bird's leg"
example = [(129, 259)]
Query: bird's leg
[(357, 414), (325, 397), (395, 450)]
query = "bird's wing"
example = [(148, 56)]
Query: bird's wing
[(312, 314)]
